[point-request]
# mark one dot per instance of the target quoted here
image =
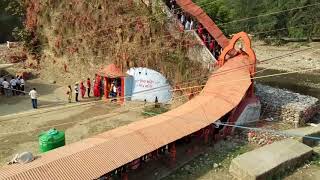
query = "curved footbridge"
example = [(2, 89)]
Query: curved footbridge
[(228, 94)]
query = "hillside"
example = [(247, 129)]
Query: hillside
[(75, 38)]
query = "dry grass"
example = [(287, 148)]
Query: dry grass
[(85, 35)]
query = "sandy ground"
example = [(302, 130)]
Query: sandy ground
[(307, 59), (20, 125), (49, 95), (20, 133)]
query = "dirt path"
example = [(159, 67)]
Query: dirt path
[(21, 134)]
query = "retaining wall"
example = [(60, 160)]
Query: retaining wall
[(287, 106)]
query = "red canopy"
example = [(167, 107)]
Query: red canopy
[(111, 71)]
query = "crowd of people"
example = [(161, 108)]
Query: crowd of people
[(12, 86), (15, 86), (84, 89), (79, 88), (190, 23)]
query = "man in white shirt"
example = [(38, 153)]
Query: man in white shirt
[(34, 95), (187, 26), (182, 19), (13, 83), (191, 25), (6, 87)]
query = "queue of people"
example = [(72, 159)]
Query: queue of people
[(79, 88), (84, 89), (189, 23), (13, 86)]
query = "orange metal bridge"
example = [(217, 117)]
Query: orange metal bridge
[(227, 91)]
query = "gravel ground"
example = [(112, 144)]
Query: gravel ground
[(299, 61)]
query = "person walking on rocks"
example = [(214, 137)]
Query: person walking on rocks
[(34, 95), (69, 93), (76, 91)]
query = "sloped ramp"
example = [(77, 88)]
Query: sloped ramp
[(98, 155)]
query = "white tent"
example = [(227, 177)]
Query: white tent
[(149, 84)]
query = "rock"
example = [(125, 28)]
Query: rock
[(287, 106), (215, 165), (187, 167), (261, 141), (52, 81)]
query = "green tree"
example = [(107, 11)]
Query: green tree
[(234, 16)]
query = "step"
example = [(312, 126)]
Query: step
[(309, 131), (270, 160)]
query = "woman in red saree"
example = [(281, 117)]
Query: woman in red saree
[(82, 89)]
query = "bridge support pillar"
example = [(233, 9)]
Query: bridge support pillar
[(206, 135), (173, 154), (124, 176)]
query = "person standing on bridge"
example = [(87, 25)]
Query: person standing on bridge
[(187, 26), (191, 24), (183, 18), (34, 95), (211, 47)]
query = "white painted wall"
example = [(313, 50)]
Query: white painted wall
[(149, 84)]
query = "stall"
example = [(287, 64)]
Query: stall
[(115, 85)]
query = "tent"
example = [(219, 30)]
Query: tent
[(149, 84)]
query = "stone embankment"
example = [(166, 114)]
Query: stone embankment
[(287, 106)]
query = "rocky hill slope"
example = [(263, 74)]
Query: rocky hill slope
[(78, 37)]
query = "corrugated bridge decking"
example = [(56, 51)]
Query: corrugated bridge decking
[(95, 156)]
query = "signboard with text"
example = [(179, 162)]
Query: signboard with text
[(149, 84)]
